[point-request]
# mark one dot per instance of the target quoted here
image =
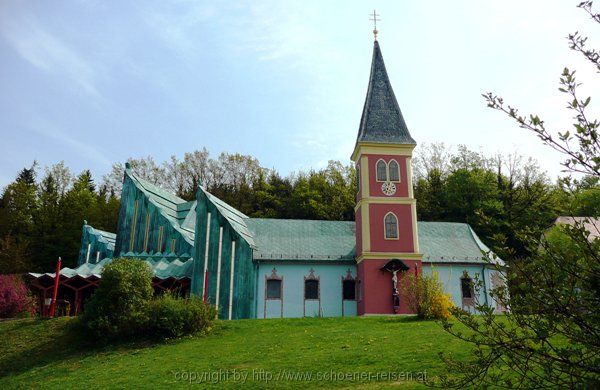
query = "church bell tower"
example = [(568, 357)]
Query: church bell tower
[(387, 241)]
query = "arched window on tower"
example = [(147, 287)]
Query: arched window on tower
[(391, 226), (394, 171), (381, 171)]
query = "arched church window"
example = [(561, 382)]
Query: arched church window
[(349, 290), (381, 171), (394, 171), (466, 287), (391, 226), (311, 289), (274, 288)]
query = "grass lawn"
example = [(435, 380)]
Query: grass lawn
[(43, 353)]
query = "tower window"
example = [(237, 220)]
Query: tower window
[(349, 290), (311, 289), (273, 288), (391, 226), (381, 171), (394, 171)]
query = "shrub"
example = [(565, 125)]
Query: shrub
[(15, 299), (119, 307), (426, 297), (174, 317)]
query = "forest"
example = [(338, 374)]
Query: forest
[(503, 197)]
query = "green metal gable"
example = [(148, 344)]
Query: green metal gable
[(236, 218), (232, 222), (98, 242), (148, 221)]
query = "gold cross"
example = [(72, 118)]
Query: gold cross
[(374, 19)]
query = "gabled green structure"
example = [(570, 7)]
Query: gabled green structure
[(261, 268), (153, 221), (224, 272), (96, 244)]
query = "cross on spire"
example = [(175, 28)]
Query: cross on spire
[(375, 19)]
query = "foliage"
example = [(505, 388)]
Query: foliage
[(171, 316), (40, 221), (15, 299), (555, 300), (119, 306), (501, 197), (551, 336), (123, 306), (426, 297)]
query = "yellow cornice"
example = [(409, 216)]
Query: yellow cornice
[(377, 148), (380, 199), (386, 255)]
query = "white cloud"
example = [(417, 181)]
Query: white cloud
[(48, 53), (177, 24), (87, 151)]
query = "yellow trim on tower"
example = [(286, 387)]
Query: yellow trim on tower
[(366, 232), (379, 200), (415, 228), (375, 148), (364, 176), (387, 255), (409, 177)]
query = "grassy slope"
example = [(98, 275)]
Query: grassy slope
[(38, 353)]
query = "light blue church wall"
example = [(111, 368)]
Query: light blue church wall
[(292, 278), (450, 276)]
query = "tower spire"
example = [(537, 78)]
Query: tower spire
[(382, 120), (375, 19)]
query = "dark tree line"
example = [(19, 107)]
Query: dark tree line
[(500, 197), (41, 220)]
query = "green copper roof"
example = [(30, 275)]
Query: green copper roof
[(449, 242), (162, 268), (382, 119), (290, 239), (293, 239)]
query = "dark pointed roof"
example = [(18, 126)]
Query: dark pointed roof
[(382, 119)]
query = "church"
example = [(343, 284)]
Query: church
[(272, 268)]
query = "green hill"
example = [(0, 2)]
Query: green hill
[(291, 353)]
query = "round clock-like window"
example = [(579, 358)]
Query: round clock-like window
[(388, 188)]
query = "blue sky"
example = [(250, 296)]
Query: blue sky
[(94, 82)]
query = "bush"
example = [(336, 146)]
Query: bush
[(123, 306), (174, 317), (15, 300), (119, 307), (426, 296)]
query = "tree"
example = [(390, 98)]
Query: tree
[(551, 336), (78, 204)]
